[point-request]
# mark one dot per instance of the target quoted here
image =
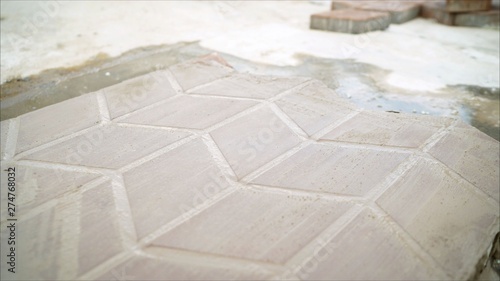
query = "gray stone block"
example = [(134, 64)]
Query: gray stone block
[(350, 21)]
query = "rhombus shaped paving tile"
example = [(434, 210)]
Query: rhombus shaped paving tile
[(199, 172)]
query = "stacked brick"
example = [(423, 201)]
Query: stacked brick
[(474, 13), (360, 16)]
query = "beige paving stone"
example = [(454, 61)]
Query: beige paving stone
[(473, 155), (100, 237), (110, 146), (137, 92), (314, 107), (352, 255), (402, 130), (171, 185), (256, 225), (249, 86), (444, 215), (200, 71), (253, 140), (4, 128), (149, 268), (55, 121), (330, 168), (189, 112), (36, 185), (36, 249)]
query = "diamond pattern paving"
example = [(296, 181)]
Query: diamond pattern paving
[(201, 173)]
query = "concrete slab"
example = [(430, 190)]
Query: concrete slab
[(292, 182)]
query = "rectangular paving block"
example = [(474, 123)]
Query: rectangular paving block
[(400, 11), (350, 21), (467, 5), (478, 19)]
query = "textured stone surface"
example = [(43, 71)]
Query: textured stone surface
[(327, 168), (350, 21), (243, 177), (373, 128), (237, 225), (4, 129), (400, 11)]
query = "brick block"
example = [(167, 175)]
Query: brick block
[(350, 21), (437, 11), (400, 11), (478, 19), (467, 5)]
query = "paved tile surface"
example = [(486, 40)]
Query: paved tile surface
[(199, 172)]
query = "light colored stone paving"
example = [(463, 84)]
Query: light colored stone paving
[(200, 172)]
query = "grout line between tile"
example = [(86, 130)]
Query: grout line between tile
[(392, 177), (439, 135), (102, 105), (488, 197), (274, 162), (147, 240), (157, 153), (388, 148), (309, 193), (218, 157), (225, 97), (329, 128), (124, 212), (195, 88), (173, 81), (308, 252), (202, 258), (68, 215), (11, 141), (58, 141), (411, 243), (109, 264), (289, 122), (165, 128), (146, 108), (65, 167)]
